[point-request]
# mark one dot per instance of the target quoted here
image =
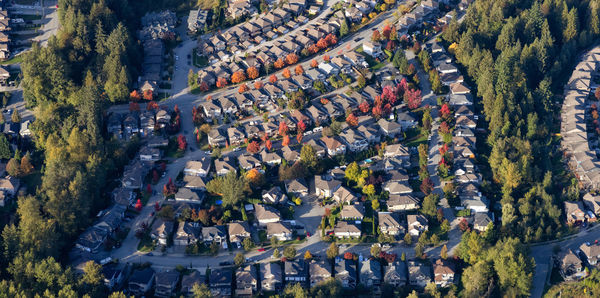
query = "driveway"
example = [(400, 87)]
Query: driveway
[(50, 16)]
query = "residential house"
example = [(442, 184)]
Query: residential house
[(354, 140), (123, 197), (185, 194), (194, 183), (188, 282), (591, 252), (198, 168), (111, 220), (187, 233), (370, 132), (141, 281), (319, 271), (216, 234), (460, 100), (398, 202), (570, 266), (248, 162), (325, 186), (319, 149), (343, 195), (592, 202), (224, 165), (246, 281), (443, 272), (280, 230), (271, 277), (91, 240), (355, 212), (345, 272), (459, 88), (166, 282), (216, 138), (236, 135), (274, 195), (333, 145), (266, 214), (220, 282), (271, 158), (406, 120), (397, 187), (346, 230), (290, 155), (481, 221), (114, 277), (295, 271), (398, 151), (238, 231), (296, 187), (372, 48), (389, 128), (419, 274), (575, 212), (389, 224), (417, 223), (396, 274), (161, 230), (370, 273)]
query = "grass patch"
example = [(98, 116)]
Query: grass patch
[(416, 141), (146, 244), (13, 60), (199, 61), (26, 17)]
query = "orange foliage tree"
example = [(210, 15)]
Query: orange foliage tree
[(286, 73), (238, 77), (221, 82), (299, 138), (322, 43), (243, 88), (148, 94), (314, 63), (253, 147), (352, 120), (258, 85), (252, 72), (269, 144), (286, 140), (291, 59), (283, 128), (135, 95), (326, 58), (299, 70), (273, 79), (279, 63)]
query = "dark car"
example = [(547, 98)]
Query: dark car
[(225, 263)]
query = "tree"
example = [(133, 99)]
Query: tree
[(167, 213), (375, 250), (308, 156), (273, 79), (276, 254), (258, 85), (252, 73), (279, 63), (239, 259), (286, 73), (243, 88), (344, 29), (326, 58), (231, 187), (289, 252), (352, 120), (253, 147), (308, 256), (201, 290), (332, 251), (291, 59), (413, 98), (181, 143), (135, 95), (4, 147), (429, 206), (92, 280), (294, 290), (13, 167), (364, 107), (314, 63), (247, 243), (407, 239), (376, 36), (283, 128), (16, 116), (148, 94), (221, 82), (299, 70), (444, 252), (238, 77)]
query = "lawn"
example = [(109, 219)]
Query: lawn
[(199, 61), (13, 60), (416, 141), (146, 244)]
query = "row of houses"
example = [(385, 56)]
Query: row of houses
[(5, 29), (572, 264), (142, 123), (579, 141), (248, 280), (158, 25), (415, 18)]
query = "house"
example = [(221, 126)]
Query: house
[(123, 197), (216, 139), (570, 266), (389, 224), (459, 88), (592, 202), (132, 176), (370, 273), (194, 183), (574, 212), (417, 223), (346, 230), (319, 149), (248, 162), (185, 194), (419, 274), (187, 233), (591, 252), (372, 49), (406, 120), (114, 277), (224, 165), (460, 100), (295, 271), (296, 187), (236, 135), (290, 155), (161, 230), (397, 151), (397, 187), (355, 212), (389, 128), (443, 273), (188, 282), (196, 19), (91, 239), (166, 282), (334, 146), (238, 231), (343, 195), (216, 234), (111, 220), (10, 185), (141, 281), (446, 68), (198, 168), (345, 272), (220, 282), (274, 196), (24, 131), (354, 140), (396, 274), (266, 214), (481, 221), (270, 158), (280, 230), (329, 69), (325, 186), (397, 202), (246, 281), (319, 272), (271, 277)]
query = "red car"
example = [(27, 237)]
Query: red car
[(261, 249)]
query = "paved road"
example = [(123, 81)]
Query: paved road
[(51, 27)]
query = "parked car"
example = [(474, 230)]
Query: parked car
[(261, 249)]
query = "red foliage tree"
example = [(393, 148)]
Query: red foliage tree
[(348, 255), (427, 186), (252, 72), (411, 69), (413, 98), (273, 79), (135, 95), (148, 95), (268, 144), (402, 86), (291, 59), (148, 189), (444, 128), (463, 224), (299, 137), (331, 39), (445, 111), (376, 35), (221, 82), (156, 207), (152, 106), (204, 87), (352, 120), (283, 128), (286, 140), (364, 107), (313, 49), (388, 93), (387, 109), (253, 147), (301, 127), (386, 31), (238, 77), (138, 205), (377, 111), (326, 58), (314, 63), (181, 142), (322, 43), (391, 45)]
